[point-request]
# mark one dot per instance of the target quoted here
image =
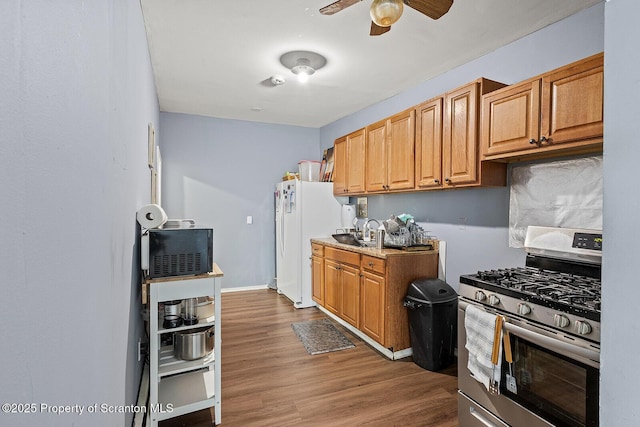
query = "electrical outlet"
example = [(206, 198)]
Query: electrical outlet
[(462, 223), (361, 208)]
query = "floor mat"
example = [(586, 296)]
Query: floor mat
[(320, 336)]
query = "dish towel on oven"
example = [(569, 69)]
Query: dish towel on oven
[(480, 329)]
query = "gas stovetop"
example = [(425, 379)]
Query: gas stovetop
[(566, 292), (559, 287)]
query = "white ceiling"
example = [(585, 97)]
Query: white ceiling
[(215, 58)]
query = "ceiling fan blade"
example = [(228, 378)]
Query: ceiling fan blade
[(338, 6), (434, 9), (376, 30)]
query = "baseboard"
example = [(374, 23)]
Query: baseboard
[(393, 355), (245, 288)]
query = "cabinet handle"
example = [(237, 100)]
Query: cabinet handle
[(543, 140), (533, 141), (370, 264), (437, 181), (447, 180)]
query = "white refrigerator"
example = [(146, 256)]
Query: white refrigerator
[(304, 209)]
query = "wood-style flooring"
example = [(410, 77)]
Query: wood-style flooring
[(269, 379)]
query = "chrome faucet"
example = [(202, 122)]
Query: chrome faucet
[(366, 230)]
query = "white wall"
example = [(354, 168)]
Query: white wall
[(620, 289), (218, 172), (76, 95)]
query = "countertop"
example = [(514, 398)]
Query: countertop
[(373, 251)]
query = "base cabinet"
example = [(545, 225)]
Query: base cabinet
[(372, 305), (342, 284), (366, 288), (317, 273)]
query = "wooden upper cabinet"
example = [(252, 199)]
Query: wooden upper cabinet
[(376, 152), (573, 102), (390, 153), (511, 118), (340, 166), (562, 111), (460, 145), (355, 156), (400, 153), (348, 155), (428, 156)]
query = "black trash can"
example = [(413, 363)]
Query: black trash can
[(432, 307)]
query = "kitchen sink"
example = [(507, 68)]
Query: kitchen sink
[(350, 239)]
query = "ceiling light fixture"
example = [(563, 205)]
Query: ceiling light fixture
[(385, 13), (303, 63)]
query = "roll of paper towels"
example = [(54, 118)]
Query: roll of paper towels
[(151, 216), (348, 216)]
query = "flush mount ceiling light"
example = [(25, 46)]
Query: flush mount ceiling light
[(303, 63)]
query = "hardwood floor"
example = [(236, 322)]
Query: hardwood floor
[(269, 379)]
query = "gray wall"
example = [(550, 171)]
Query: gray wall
[(218, 172), (76, 95), (474, 222), (620, 291)]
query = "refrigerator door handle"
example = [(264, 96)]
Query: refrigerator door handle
[(281, 224)]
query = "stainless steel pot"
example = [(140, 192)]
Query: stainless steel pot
[(193, 344)]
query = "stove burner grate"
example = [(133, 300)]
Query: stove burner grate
[(566, 289)]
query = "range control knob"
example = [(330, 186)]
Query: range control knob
[(494, 300), (582, 327), (480, 296), (523, 309), (561, 321)]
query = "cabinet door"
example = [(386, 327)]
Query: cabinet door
[(428, 156), (372, 306), (376, 164), (355, 162), (573, 102), (400, 150), (511, 118), (332, 287), (350, 304), (459, 151), (340, 166), (317, 279)]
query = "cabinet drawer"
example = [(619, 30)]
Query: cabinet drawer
[(317, 250), (342, 256), (374, 264)]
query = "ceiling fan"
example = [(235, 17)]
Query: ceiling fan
[(384, 13)]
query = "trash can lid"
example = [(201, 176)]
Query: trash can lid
[(431, 291)]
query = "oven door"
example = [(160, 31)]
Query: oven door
[(554, 377)]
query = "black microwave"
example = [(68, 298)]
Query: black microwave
[(176, 252)]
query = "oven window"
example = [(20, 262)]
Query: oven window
[(560, 390)]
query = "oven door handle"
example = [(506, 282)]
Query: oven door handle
[(585, 355)]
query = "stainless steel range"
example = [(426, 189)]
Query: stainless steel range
[(551, 311)]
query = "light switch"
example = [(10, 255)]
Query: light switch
[(249, 219)]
